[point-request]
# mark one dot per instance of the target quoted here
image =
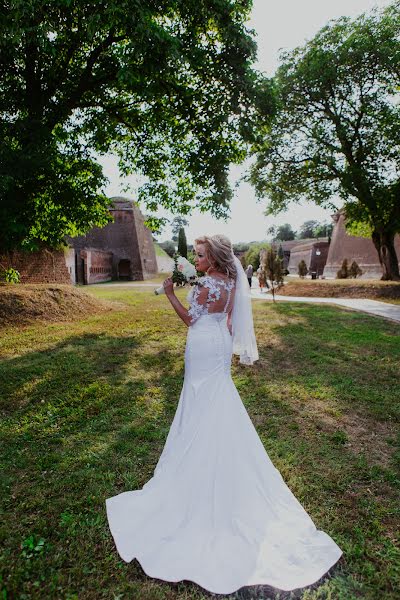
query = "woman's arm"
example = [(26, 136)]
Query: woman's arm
[(178, 307), (230, 311)]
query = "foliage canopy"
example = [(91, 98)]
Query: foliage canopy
[(167, 86), (337, 129)]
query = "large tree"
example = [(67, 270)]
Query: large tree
[(166, 85), (282, 233), (337, 130)]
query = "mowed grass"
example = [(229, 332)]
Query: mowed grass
[(86, 407)]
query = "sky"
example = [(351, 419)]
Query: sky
[(278, 25)]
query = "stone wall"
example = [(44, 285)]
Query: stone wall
[(129, 241), (96, 265), (44, 266), (146, 247), (362, 250), (314, 255)]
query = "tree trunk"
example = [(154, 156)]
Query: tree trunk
[(384, 244)]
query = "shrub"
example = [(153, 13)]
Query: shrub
[(11, 275), (302, 269), (355, 270), (343, 272)]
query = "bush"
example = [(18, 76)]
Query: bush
[(191, 257), (302, 269), (241, 247), (355, 270), (11, 275), (343, 272)]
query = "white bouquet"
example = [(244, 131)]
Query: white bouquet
[(183, 272)]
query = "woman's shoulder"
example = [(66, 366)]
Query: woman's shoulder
[(212, 280)]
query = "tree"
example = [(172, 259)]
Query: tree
[(176, 224), (284, 233), (240, 247), (302, 269), (323, 230), (273, 267), (252, 256), (337, 127), (182, 244), (166, 86), (307, 230)]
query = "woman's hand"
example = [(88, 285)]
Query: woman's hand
[(168, 286)]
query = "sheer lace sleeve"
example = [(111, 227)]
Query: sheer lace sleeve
[(198, 299)]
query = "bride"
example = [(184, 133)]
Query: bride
[(217, 511)]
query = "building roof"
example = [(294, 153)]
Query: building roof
[(294, 244), (309, 245), (121, 203)]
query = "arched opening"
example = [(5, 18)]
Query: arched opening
[(124, 269)]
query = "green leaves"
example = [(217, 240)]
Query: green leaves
[(167, 86), (336, 131)]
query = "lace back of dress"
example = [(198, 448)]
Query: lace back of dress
[(211, 295)]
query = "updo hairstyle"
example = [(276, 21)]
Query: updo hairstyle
[(219, 252)]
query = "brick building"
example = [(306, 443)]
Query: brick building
[(44, 266), (123, 249), (352, 247), (313, 252)]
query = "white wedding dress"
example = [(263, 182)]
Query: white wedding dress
[(217, 511)]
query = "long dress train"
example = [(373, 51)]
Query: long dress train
[(217, 511)]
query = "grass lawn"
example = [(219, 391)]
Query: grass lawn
[(86, 407)]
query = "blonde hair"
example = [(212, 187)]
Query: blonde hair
[(219, 252)]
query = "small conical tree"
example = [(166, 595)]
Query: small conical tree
[(280, 252), (182, 244), (355, 270), (302, 269), (343, 272), (273, 266)]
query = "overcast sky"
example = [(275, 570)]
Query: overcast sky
[(278, 25)]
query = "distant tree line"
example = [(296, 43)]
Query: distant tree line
[(309, 229)]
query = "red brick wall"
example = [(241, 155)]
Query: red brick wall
[(307, 252), (146, 246), (99, 266), (45, 266), (127, 238), (362, 250)]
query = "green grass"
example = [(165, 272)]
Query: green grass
[(159, 251), (86, 408)]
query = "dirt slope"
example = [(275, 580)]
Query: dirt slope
[(342, 288), (22, 304)]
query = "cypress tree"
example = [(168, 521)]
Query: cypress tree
[(182, 244)]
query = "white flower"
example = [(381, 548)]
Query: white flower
[(185, 268)]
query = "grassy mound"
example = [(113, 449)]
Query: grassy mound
[(342, 288), (21, 304)]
